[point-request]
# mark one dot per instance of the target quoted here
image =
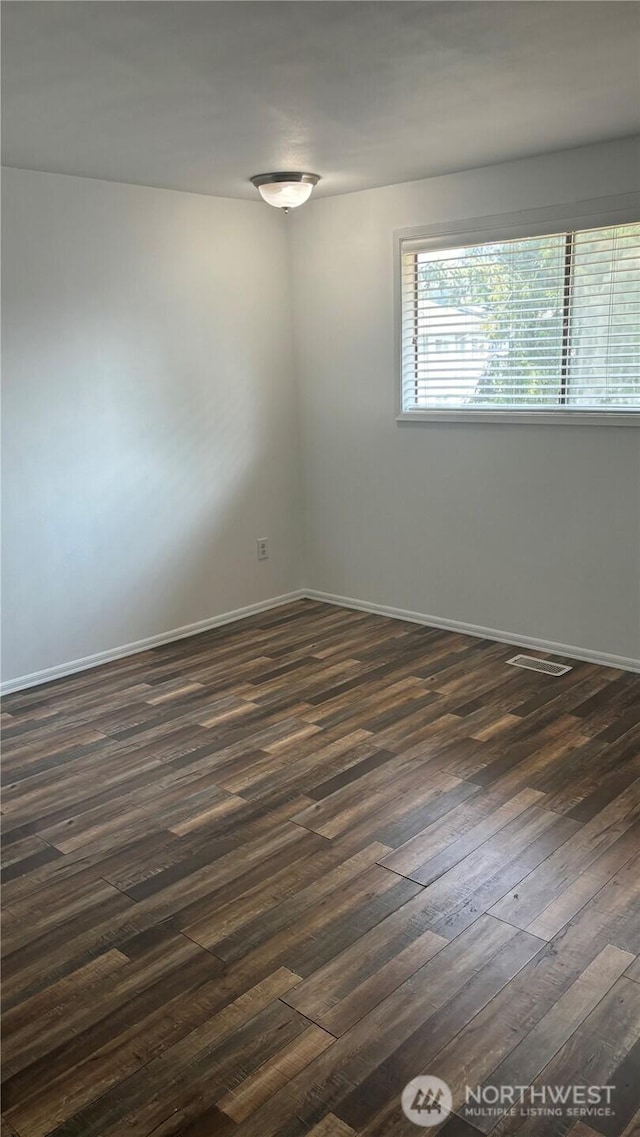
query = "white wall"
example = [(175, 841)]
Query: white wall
[(149, 414), (531, 530), (151, 429)]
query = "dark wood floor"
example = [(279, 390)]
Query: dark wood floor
[(258, 880)]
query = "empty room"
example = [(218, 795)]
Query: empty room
[(320, 568)]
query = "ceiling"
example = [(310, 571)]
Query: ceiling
[(200, 95)]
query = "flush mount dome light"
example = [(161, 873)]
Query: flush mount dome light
[(285, 190)]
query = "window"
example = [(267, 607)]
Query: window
[(535, 324)]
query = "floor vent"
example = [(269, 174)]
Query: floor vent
[(543, 665)]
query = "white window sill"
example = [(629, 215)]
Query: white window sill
[(554, 418)]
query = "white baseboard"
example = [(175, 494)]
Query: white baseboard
[(89, 661), (581, 653)]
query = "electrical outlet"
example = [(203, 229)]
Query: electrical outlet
[(263, 548)]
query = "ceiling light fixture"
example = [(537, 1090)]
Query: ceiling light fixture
[(285, 190)]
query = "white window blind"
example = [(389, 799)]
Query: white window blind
[(538, 323)]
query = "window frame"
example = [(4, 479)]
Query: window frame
[(591, 214)]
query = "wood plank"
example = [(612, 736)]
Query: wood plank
[(592, 1055), (91, 1078), (526, 1061), (256, 880), (256, 1089)]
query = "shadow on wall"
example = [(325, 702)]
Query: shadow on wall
[(136, 498)]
